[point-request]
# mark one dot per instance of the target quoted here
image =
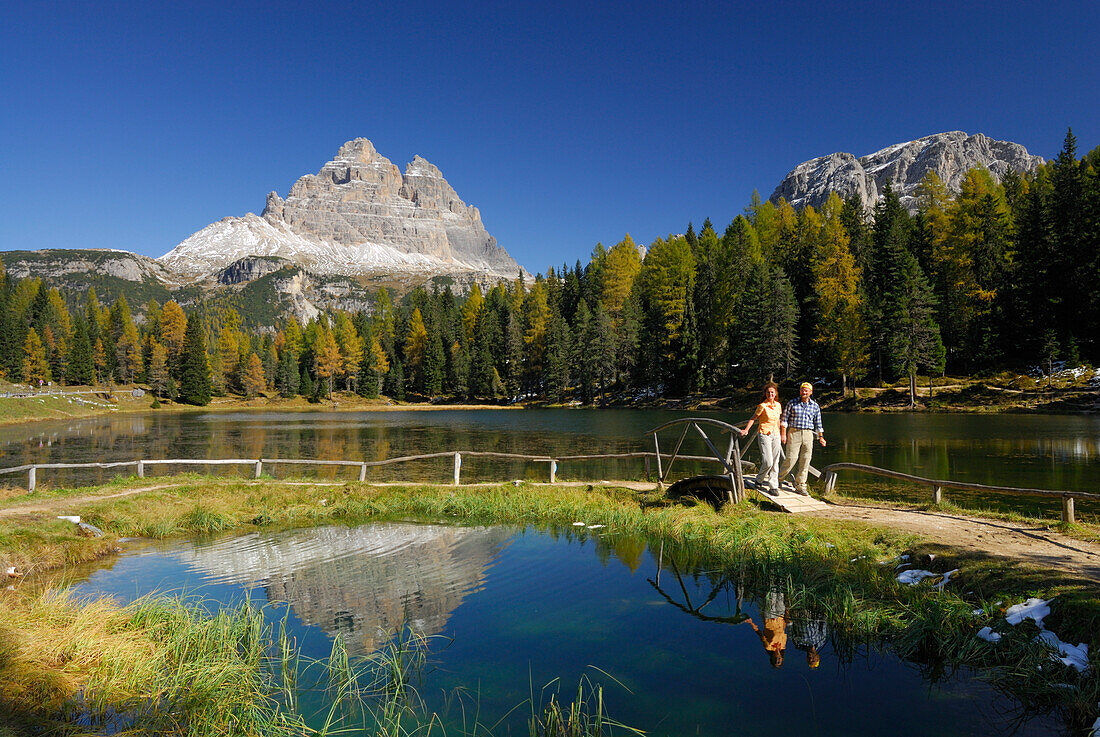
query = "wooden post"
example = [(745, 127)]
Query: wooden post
[(362, 472), (553, 471), (647, 468), (830, 482), (458, 467), (1067, 509), (738, 477), (259, 468), (31, 480), (657, 449), (141, 469), (937, 494)]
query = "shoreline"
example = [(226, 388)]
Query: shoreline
[(975, 397)]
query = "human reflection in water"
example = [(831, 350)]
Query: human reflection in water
[(808, 631), (773, 633)]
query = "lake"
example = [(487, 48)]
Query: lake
[(1038, 451), (509, 610)]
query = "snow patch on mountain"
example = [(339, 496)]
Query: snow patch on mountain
[(222, 243)]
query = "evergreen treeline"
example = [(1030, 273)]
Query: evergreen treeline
[(1000, 275)]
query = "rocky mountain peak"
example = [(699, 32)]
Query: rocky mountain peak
[(357, 215), (950, 155)]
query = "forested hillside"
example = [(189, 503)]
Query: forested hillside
[(1000, 275)]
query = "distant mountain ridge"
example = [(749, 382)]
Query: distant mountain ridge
[(902, 165)]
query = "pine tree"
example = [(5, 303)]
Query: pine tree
[(584, 364), (158, 368), (287, 375), (666, 286), (481, 359), (81, 368), (194, 387), (305, 383), (253, 378), (840, 329), (434, 361), (327, 360), (128, 352), (99, 360), (36, 370), (173, 326), (395, 380), (558, 357), (913, 337), (416, 345)]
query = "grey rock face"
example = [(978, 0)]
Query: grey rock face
[(248, 269), (903, 166), (61, 264)]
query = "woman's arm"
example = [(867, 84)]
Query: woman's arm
[(759, 411)]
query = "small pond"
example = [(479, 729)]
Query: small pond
[(511, 610)]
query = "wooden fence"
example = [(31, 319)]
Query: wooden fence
[(727, 460), (938, 485), (31, 469)]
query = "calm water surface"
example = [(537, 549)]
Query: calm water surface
[(1042, 451), (516, 608)]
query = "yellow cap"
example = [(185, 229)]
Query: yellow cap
[(806, 385)]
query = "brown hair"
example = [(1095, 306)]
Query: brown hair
[(771, 385)]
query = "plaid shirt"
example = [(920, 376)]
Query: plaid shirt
[(803, 416)]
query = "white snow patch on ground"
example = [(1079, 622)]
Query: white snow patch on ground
[(1035, 609), (914, 576), (946, 577), (987, 634), (1076, 656)]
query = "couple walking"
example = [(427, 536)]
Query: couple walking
[(794, 428)]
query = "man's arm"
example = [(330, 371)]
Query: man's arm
[(819, 428)]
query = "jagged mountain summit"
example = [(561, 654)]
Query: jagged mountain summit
[(902, 165), (359, 215)]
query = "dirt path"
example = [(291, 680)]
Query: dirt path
[(1021, 541), (60, 504)]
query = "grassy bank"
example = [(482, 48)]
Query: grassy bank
[(844, 570)]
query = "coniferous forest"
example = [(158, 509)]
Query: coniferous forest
[(999, 276)]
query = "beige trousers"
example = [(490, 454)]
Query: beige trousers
[(799, 450)]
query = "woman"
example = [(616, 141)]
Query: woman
[(767, 413)]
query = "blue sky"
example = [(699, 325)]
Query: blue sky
[(133, 125)]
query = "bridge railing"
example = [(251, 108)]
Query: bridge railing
[(938, 485), (731, 460)]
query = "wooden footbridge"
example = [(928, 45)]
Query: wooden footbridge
[(734, 484)]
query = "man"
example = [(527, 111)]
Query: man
[(801, 421)]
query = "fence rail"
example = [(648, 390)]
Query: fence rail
[(938, 485), (31, 469)]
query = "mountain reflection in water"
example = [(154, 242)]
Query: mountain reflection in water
[(363, 583)]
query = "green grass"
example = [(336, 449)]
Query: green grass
[(832, 567)]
